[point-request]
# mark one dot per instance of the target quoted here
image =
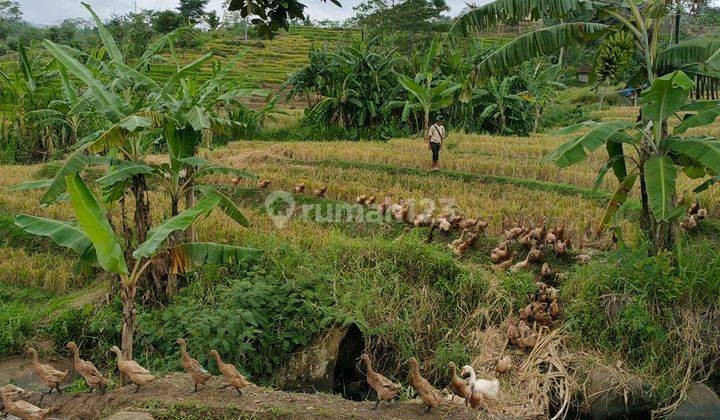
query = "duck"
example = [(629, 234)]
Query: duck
[(263, 184), (522, 265), (468, 223), (538, 233), (500, 252), (476, 399), (550, 238), (230, 373), (428, 394), (513, 233), (545, 271), (198, 374), (385, 388), (488, 388), (422, 219), (504, 365), (583, 258), (444, 224), (513, 333), (22, 409), (560, 247), (702, 214), (690, 222), (361, 199), (459, 386), (383, 207), (370, 201), (482, 225), (401, 213), (506, 265), (535, 255), (554, 309), (14, 392), (694, 208), (51, 377), (299, 188), (459, 240), (130, 368), (93, 377), (320, 192)]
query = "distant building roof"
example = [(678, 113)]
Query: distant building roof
[(585, 68)]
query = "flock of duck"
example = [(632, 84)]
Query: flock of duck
[(52, 378), (465, 386)]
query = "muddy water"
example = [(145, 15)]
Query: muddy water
[(18, 370)]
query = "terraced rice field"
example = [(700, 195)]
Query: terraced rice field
[(497, 178), (266, 62)]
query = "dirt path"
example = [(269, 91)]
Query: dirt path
[(170, 398)]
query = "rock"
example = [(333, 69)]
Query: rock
[(616, 395), (312, 369), (128, 415), (701, 403)]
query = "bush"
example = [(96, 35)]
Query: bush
[(563, 115), (663, 318), (258, 317)]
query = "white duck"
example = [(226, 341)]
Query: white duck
[(489, 389)]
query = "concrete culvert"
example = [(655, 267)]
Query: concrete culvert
[(349, 380), (329, 365)]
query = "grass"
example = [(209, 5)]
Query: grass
[(409, 298)]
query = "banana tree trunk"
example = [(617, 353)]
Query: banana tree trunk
[(426, 125), (538, 116), (190, 233), (127, 293), (661, 234)]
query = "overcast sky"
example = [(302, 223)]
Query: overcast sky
[(54, 11)]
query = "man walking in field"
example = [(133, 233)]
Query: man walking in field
[(434, 137)]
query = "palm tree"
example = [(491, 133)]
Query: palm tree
[(698, 58)]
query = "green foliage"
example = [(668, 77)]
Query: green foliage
[(645, 308), (246, 308), (410, 23), (17, 320)]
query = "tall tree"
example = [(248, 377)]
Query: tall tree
[(193, 10), (411, 21), (166, 21), (212, 19)]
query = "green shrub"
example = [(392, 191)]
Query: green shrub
[(662, 317), (17, 322), (254, 318), (563, 115)]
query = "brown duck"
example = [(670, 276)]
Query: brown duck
[(198, 374), (130, 368), (428, 394), (87, 370), (22, 409), (51, 377), (230, 373), (386, 390), (459, 386)]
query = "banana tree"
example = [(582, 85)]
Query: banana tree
[(425, 96), (497, 100), (94, 240), (698, 58), (659, 155)]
